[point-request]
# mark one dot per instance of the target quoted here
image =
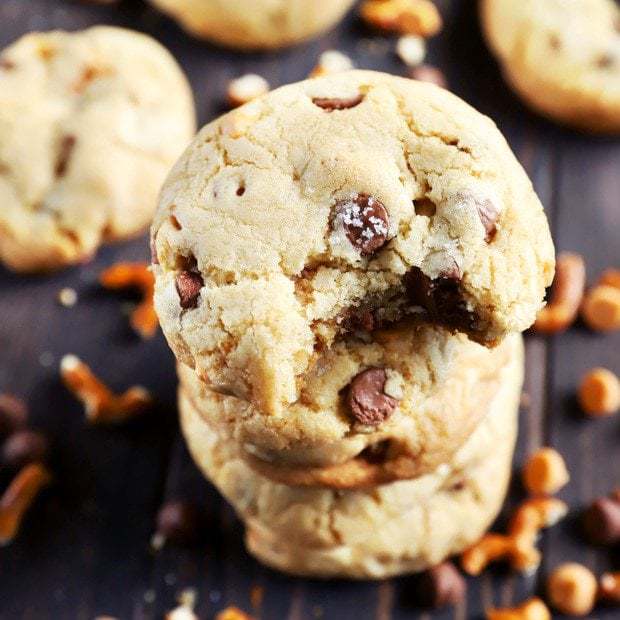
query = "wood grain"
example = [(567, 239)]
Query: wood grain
[(84, 550)]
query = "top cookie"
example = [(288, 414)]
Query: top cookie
[(90, 124), (338, 205), (255, 24), (562, 56)]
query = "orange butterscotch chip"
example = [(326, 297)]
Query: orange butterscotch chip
[(601, 308), (135, 275), (532, 609), (545, 472), (232, 613), (419, 17), (102, 405), (599, 393), (572, 589)]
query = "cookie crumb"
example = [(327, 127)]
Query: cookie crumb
[(67, 297)]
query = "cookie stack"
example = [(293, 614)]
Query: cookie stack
[(342, 270)]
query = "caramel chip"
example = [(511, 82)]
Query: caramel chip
[(367, 401)]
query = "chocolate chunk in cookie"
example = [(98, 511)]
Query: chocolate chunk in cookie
[(189, 285), (365, 222), (331, 104), (367, 401)]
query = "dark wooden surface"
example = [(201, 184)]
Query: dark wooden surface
[(84, 551)]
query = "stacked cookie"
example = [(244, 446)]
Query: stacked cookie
[(342, 270)]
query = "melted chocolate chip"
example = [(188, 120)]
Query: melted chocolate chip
[(331, 104), (367, 401), (174, 221), (189, 285), (442, 299), (6, 64), (365, 221), (376, 453), (67, 145), (359, 320)]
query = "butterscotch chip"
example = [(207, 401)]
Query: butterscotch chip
[(545, 472), (610, 277), (419, 17), (572, 589), (532, 609), (599, 392), (601, 308)]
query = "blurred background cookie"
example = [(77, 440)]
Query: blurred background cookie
[(562, 57), (90, 123), (255, 24)]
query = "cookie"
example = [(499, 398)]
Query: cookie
[(435, 391), (391, 529), (255, 24), (562, 57), (90, 124), (336, 206)]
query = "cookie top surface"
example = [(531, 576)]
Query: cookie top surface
[(334, 206), (255, 24), (369, 413), (563, 56), (90, 124)]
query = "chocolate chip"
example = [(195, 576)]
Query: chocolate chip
[(488, 214), (605, 61), (153, 246), (189, 284), (13, 413), (177, 522), (601, 521), (442, 299), (428, 73), (359, 320), (22, 448), (365, 221), (330, 104), (67, 145), (6, 64), (367, 401), (555, 43), (376, 453), (441, 586), (425, 207), (174, 221)]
